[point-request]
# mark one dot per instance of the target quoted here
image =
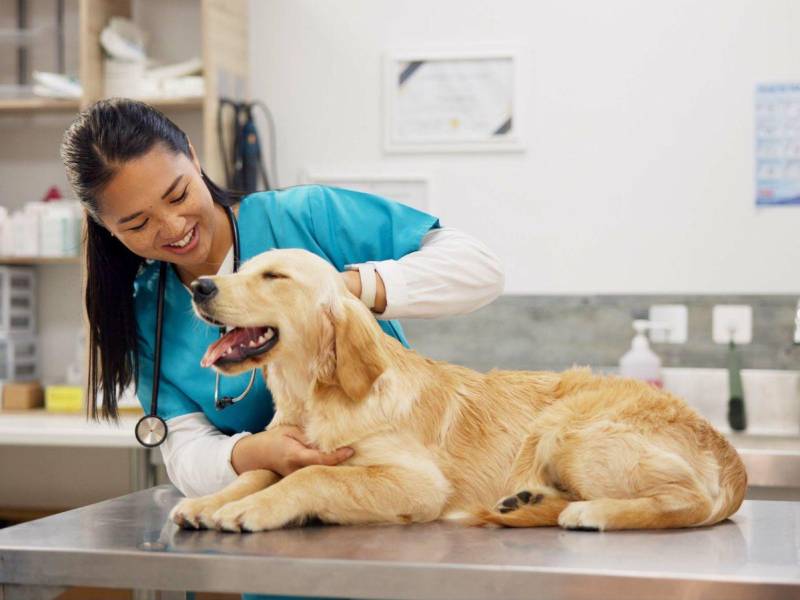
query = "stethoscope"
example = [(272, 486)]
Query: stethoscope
[(151, 430)]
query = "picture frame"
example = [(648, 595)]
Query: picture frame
[(453, 100)]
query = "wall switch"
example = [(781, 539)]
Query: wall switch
[(732, 321), (675, 321)]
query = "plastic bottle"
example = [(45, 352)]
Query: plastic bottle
[(640, 362)]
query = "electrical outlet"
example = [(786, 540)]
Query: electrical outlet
[(671, 323), (732, 321)]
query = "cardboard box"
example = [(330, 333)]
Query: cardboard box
[(22, 395)]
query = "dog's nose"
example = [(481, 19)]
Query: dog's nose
[(203, 289)]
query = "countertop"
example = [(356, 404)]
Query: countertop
[(128, 543)]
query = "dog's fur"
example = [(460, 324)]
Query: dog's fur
[(434, 440)]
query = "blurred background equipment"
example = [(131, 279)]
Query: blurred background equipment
[(241, 155)]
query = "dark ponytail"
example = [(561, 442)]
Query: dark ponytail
[(99, 141)]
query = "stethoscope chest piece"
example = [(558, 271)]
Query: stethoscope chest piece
[(151, 431)]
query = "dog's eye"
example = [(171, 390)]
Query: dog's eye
[(272, 275)]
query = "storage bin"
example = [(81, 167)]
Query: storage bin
[(17, 300), (19, 357), (63, 398), (22, 395)]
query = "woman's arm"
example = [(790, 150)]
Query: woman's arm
[(197, 455), (452, 273), (201, 460)]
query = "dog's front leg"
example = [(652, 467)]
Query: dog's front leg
[(196, 513), (342, 494)]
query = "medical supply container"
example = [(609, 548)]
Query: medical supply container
[(17, 300), (22, 395), (19, 357), (640, 362), (60, 229), (63, 398)]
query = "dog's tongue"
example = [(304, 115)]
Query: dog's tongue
[(233, 338)]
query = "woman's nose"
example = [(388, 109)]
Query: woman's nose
[(172, 229)]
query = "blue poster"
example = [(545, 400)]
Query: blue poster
[(777, 144)]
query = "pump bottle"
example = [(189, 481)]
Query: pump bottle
[(640, 362)]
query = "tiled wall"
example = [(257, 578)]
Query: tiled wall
[(555, 332)]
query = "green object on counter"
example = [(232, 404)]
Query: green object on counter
[(737, 417)]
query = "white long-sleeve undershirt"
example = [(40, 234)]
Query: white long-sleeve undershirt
[(451, 274)]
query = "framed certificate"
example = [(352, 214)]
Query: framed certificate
[(452, 101)]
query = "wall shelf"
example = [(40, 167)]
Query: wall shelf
[(32, 105), (40, 260), (176, 103)]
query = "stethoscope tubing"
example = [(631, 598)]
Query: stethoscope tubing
[(151, 430)]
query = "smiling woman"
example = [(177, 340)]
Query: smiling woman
[(138, 177)]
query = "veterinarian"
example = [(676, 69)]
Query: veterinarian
[(148, 201)]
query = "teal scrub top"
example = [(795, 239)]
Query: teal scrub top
[(342, 226)]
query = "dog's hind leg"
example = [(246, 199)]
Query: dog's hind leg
[(195, 513), (606, 476), (536, 501), (599, 476)]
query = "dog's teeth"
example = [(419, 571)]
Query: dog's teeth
[(252, 344), (269, 334), (262, 339)]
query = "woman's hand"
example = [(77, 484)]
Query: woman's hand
[(283, 449)]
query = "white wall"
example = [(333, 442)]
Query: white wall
[(638, 174)]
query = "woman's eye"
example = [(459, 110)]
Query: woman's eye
[(182, 197), (139, 227)]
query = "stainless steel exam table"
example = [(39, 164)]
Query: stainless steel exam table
[(128, 543)]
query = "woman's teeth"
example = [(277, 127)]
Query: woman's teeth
[(184, 241)]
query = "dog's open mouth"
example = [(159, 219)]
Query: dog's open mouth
[(240, 344)]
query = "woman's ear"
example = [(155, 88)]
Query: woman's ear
[(193, 156), (357, 359)]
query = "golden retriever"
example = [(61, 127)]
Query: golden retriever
[(434, 440)]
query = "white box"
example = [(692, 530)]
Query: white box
[(19, 358), (732, 322), (674, 321), (17, 300)]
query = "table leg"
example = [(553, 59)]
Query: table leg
[(142, 469)]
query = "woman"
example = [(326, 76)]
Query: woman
[(147, 200)]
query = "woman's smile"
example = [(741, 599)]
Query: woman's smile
[(186, 244)]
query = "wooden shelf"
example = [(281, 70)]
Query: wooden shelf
[(17, 105), (40, 260), (175, 103)]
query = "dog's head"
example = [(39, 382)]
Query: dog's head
[(291, 306)]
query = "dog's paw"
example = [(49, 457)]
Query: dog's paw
[(250, 516), (195, 513), (582, 516), (512, 503)]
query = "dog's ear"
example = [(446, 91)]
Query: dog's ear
[(357, 359)]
